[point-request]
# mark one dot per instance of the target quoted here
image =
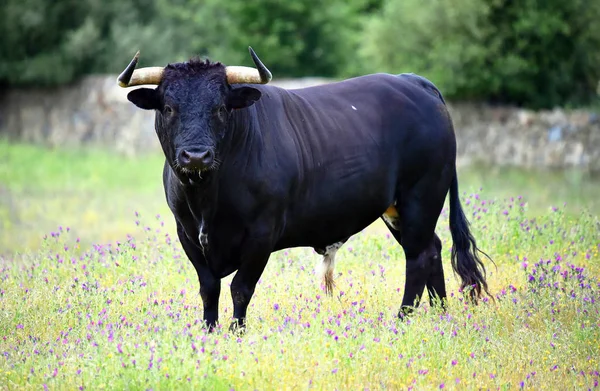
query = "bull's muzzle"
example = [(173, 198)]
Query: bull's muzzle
[(195, 159)]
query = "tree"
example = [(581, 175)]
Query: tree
[(294, 38), (531, 53), (53, 42)]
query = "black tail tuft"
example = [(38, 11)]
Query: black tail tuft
[(465, 260)]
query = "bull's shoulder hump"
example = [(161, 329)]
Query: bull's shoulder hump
[(422, 82)]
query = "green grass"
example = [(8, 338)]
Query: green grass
[(96, 193), (93, 192), (125, 313)]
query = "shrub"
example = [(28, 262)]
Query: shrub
[(531, 53), (54, 42), (293, 38)]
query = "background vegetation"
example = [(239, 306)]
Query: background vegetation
[(531, 53)]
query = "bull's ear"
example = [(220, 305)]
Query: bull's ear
[(243, 97), (144, 98)]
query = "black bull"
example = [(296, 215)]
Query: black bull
[(252, 169)]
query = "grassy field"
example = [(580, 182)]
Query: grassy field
[(95, 193), (96, 296)]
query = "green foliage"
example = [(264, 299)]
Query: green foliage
[(48, 43), (293, 38), (532, 53), (53, 42), (304, 38)]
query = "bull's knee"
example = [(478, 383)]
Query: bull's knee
[(210, 291), (437, 243), (419, 267), (241, 294), (422, 263)]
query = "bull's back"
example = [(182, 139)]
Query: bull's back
[(356, 140)]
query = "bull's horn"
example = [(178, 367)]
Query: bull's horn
[(240, 74), (134, 77)]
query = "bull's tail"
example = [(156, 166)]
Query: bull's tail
[(465, 259)]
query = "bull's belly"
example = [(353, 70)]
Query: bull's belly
[(344, 201), (330, 226)]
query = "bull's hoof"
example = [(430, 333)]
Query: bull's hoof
[(210, 327), (237, 327), (405, 313)]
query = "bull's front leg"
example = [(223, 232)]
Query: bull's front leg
[(210, 286), (254, 256)]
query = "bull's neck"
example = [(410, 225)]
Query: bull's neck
[(244, 134), (200, 195)]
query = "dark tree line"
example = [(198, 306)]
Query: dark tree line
[(534, 53)]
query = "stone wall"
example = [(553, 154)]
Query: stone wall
[(93, 112), (96, 112), (556, 139)]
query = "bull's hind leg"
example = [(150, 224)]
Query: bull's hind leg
[(426, 270), (413, 225), (328, 264), (436, 285)]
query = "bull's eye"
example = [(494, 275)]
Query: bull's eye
[(168, 110), (222, 113)]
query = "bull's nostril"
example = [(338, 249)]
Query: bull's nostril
[(207, 158), (184, 158)]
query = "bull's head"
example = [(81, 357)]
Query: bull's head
[(193, 102)]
